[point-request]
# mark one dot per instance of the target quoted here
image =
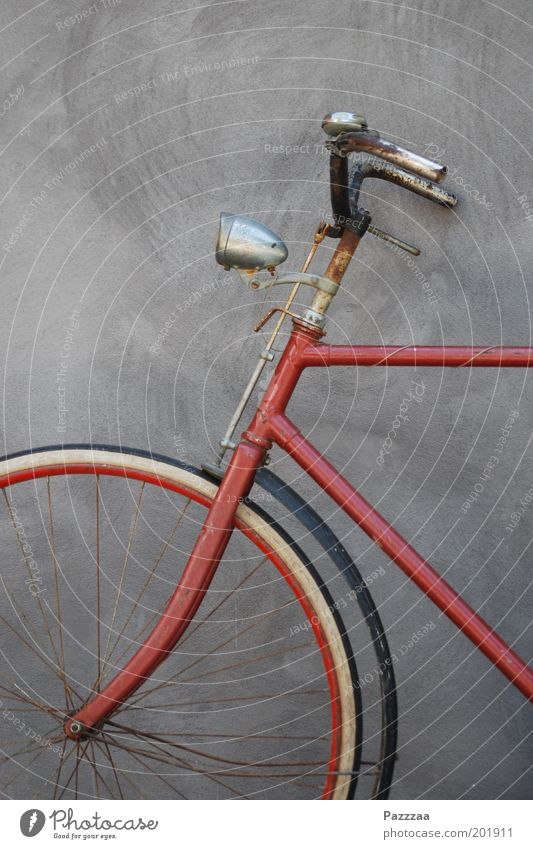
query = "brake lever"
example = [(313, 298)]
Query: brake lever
[(388, 237)]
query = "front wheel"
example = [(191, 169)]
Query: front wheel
[(257, 700)]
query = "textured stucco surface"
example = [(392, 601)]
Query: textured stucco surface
[(123, 239)]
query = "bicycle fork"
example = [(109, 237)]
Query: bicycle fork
[(203, 562)]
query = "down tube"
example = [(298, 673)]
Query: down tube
[(289, 438)]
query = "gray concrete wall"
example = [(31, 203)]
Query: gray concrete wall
[(121, 236)]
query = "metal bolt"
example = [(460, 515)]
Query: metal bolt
[(76, 727)]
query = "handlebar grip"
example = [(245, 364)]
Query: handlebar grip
[(390, 152), (408, 180)]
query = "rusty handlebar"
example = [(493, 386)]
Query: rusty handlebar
[(385, 160), (364, 142)]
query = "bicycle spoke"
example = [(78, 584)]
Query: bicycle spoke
[(153, 739), (36, 595), (133, 529), (219, 737), (65, 758), (24, 750), (259, 697), (75, 772), (29, 747), (124, 775), (40, 658), (233, 638), (95, 771), (151, 574), (138, 754), (22, 697), (172, 680), (40, 751), (98, 777), (191, 632), (134, 755), (113, 767), (98, 610), (239, 664), (57, 594), (264, 772)]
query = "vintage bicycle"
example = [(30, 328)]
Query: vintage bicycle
[(162, 636)]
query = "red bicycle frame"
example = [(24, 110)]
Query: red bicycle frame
[(271, 426)]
